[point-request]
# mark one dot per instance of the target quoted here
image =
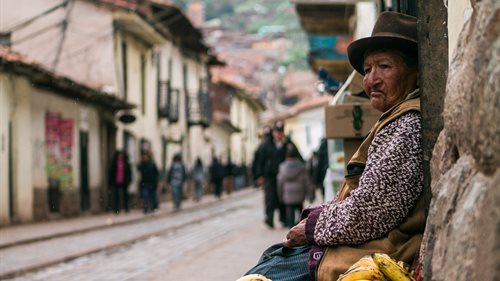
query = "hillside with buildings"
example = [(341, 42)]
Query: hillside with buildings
[(258, 18)]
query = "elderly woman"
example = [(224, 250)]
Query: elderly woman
[(379, 208)]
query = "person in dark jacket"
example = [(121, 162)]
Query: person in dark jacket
[(322, 166), (259, 155), (119, 177), (273, 154), (293, 185), (176, 179), (149, 182), (216, 171), (229, 172)]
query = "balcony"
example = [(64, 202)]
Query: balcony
[(198, 108), (329, 29), (168, 101)]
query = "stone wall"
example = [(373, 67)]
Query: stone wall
[(462, 239)]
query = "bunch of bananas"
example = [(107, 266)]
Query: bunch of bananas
[(392, 270), (254, 277), (364, 269), (378, 267)]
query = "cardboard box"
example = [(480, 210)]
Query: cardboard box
[(349, 120)]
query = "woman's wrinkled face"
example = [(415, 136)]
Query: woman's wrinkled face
[(388, 79)]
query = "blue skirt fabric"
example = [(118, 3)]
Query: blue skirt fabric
[(280, 263)]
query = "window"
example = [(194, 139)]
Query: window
[(163, 98), (174, 105), (124, 69), (143, 84), (308, 135), (185, 77), (408, 7), (169, 69)]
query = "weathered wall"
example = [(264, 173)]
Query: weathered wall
[(433, 69), (462, 235)]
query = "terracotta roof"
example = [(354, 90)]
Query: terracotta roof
[(40, 77), (300, 84), (304, 105), (247, 91), (231, 76)]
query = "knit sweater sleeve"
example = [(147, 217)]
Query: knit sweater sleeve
[(388, 189)]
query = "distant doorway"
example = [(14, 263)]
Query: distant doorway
[(84, 171), (10, 174), (110, 149)]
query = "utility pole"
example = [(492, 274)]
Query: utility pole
[(64, 26)]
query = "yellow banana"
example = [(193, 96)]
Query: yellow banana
[(404, 265), (362, 273), (254, 277), (391, 269), (364, 261)]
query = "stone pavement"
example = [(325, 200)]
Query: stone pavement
[(226, 259), (28, 247), (27, 233)]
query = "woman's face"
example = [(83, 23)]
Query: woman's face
[(387, 79)]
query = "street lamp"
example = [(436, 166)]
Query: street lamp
[(127, 117)]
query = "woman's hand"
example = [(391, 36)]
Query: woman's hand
[(296, 236)]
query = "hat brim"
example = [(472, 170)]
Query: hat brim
[(356, 50)]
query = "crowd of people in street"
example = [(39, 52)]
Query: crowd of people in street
[(216, 178), (278, 168)]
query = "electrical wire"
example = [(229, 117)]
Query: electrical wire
[(36, 33), (167, 22), (86, 47), (100, 36), (31, 20)]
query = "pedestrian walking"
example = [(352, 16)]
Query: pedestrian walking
[(119, 177), (258, 157), (293, 185), (198, 175), (176, 179), (239, 176), (216, 175), (229, 171), (149, 182), (272, 155)]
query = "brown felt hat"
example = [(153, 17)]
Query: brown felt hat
[(391, 31)]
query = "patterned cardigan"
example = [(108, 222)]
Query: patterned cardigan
[(388, 189)]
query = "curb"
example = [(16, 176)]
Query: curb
[(17, 272)]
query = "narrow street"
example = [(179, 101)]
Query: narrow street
[(217, 241)]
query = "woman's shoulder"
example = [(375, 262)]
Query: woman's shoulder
[(410, 121), (404, 129)]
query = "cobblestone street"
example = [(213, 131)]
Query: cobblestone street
[(218, 241)]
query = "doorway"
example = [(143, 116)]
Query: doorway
[(84, 171), (10, 174)]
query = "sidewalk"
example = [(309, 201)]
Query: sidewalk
[(30, 247), (22, 234)]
